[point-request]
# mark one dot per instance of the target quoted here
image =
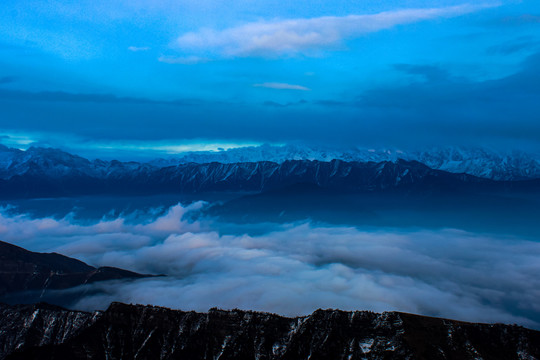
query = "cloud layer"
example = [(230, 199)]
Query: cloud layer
[(297, 268), (187, 60), (282, 86), (294, 36), (138, 48)]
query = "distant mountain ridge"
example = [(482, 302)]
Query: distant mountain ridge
[(41, 172), (127, 332), (481, 162), (55, 163)]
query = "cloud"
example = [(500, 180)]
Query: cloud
[(522, 44), (282, 86), (8, 79), (63, 96), (296, 268), (519, 20), (15, 140), (138, 48), (430, 107), (429, 72), (284, 105), (188, 60), (302, 36)]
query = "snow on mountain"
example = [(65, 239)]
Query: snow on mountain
[(147, 332), (54, 163), (514, 165), (481, 162)]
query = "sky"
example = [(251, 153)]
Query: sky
[(138, 75)]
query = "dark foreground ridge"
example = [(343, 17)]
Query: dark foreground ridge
[(31, 272), (123, 331)]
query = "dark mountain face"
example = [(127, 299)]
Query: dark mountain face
[(215, 177), (51, 173), (479, 162), (146, 332), (22, 270), (25, 326)]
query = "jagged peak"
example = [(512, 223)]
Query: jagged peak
[(142, 331)]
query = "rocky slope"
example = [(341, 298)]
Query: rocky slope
[(23, 270), (25, 326), (147, 332)]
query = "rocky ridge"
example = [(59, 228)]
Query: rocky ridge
[(148, 332)]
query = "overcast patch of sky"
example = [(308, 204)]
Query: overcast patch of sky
[(359, 67)]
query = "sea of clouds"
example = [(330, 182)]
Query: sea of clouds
[(293, 269)]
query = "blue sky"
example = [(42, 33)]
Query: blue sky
[(141, 75)]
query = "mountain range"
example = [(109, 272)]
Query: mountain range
[(127, 332), (39, 172), (480, 162)]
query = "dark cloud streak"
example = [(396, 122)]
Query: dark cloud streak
[(8, 79), (518, 20), (522, 44), (62, 96), (429, 72)]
